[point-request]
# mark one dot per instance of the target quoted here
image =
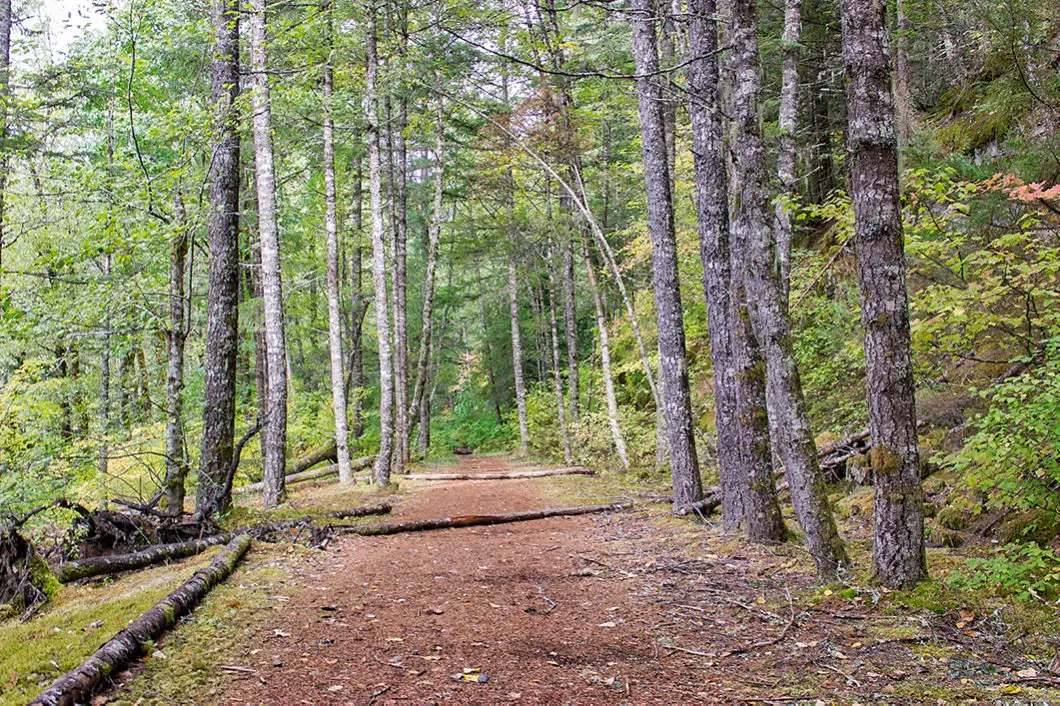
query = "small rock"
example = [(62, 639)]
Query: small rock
[(277, 662)]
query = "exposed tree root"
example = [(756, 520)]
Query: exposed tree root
[(477, 520), (506, 475), (76, 686)]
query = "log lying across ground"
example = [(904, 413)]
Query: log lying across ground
[(505, 475), (476, 520), (77, 686), (115, 563), (356, 464)]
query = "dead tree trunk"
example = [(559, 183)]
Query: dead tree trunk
[(77, 686), (382, 314), (899, 559), (752, 232), (222, 333), (744, 458), (176, 461), (331, 229), (480, 520), (673, 366)]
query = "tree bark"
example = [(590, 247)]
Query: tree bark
[(5, 100), (673, 366), (899, 559), (605, 357), (906, 116), (222, 332), (752, 232), (517, 345), (789, 94), (274, 433), (570, 324), (382, 313), (744, 457), (76, 686), (400, 289), (176, 461), (358, 308), (331, 229)]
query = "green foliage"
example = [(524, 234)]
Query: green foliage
[(1014, 456), (1021, 571)]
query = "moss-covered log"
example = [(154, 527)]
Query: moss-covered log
[(115, 563), (477, 520), (505, 475), (356, 464), (76, 686)]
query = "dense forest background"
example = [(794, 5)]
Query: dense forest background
[(488, 109)]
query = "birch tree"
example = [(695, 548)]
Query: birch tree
[(176, 335)]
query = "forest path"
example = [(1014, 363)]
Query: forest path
[(393, 619)]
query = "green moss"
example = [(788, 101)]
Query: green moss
[(75, 623), (952, 519), (939, 536), (1033, 526), (885, 461), (42, 577)]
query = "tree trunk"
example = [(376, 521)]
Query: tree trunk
[(358, 308), (104, 379), (570, 324), (487, 348), (434, 232), (517, 345), (382, 313), (222, 332), (673, 366), (605, 357), (331, 229), (752, 233), (399, 286), (176, 461), (274, 433), (557, 376), (906, 116), (898, 557), (739, 390), (789, 93)]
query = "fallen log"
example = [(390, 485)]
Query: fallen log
[(477, 520), (101, 565), (115, 563), (505, 475), (704, 506), (77, 685), (356, 464)]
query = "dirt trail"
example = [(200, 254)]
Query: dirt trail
[(393, 619)]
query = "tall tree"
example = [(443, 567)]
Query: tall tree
[(753, 233), (382, 309), (274, 433), (176, 334), (331, 231), (222, 332), (434, 231), (789, 107), (744, 460), (898, 556), (5, 110), (673, 365), (605, 356), (557, 376)]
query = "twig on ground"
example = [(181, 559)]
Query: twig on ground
[(839, 671), (773, 641)]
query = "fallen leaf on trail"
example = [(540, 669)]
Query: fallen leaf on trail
[(608, 624), (281, 633), (762, 599), (336, 687), (960, 624), (828, 592), (1028, 673), (494, 605), (430, 658), (395, 639), (966, 615), (1010, 689)]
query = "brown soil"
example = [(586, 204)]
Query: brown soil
[(588, 610)]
